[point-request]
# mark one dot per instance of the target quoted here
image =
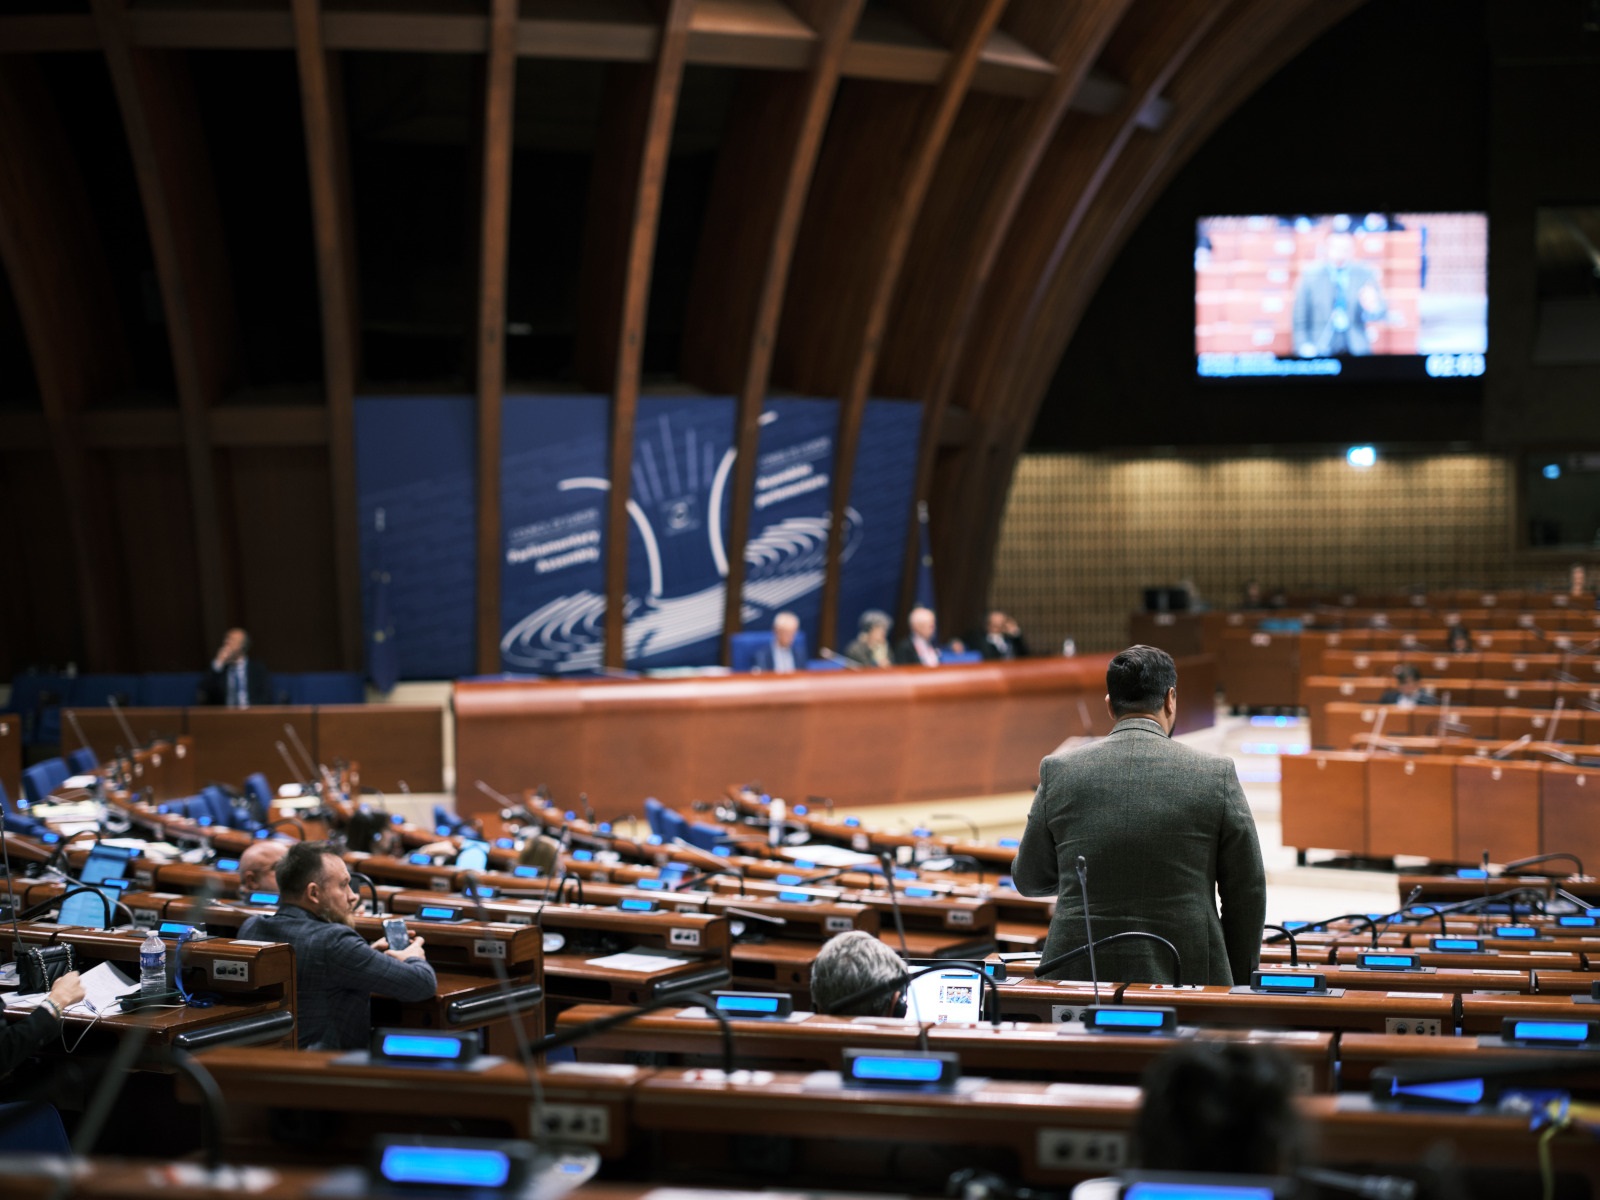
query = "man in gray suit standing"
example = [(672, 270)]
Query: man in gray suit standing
[(1164, 829)]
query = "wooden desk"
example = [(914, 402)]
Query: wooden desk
[(394, 743), (255, 983), (1366, 1011), (593, 1109), (1362, 1053), (1028, 1051), (232, 743), (861, 737), (105, 734)]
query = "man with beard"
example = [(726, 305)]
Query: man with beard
[(337, 972)]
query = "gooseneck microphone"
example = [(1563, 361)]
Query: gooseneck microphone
[(887, 860), (306, 787), (1088, 929), (122, 721), (1378, 931)]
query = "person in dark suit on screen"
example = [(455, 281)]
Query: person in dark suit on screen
[(780, 655), (1336, 301), (235, 679), (1164, 829)]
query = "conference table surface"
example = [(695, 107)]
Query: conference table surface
[(858, 737)]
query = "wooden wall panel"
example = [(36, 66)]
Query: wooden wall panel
[(283, 517), (43, 575), (168, 148), (147, 493), (57, 271)]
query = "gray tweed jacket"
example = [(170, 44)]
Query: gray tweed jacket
[(1164, 829)]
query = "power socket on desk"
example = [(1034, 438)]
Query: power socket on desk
[(1421, 1026), (1081, 1150)]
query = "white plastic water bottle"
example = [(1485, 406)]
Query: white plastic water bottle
[(152, 965), (777, 813)]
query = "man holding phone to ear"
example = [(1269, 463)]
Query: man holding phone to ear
[(337, 972)]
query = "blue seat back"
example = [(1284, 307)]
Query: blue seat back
[(705, 837), (653, 809), (260, 793), (171, 689), (39, 780), (92, 691), (322, 687), (82, 761), (742, 648), (33, 1129)]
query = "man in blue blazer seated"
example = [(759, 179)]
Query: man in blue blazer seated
[(780, 655), (337, 973)]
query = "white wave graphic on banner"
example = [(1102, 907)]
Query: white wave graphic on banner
[(783, 564)]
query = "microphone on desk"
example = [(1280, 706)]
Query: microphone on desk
[(127, 730), (588, 809), (290, 733), (1510, 746), (306, 788), (849, 664), (1088, 928), (72, 719), (509, 808), (1379, 931), (894, 901)]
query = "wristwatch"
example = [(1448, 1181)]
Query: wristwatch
[(53, 1007)]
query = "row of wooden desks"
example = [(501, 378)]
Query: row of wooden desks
[(695, 1122)]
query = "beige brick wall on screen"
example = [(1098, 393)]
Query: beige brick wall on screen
[(1084, 534)]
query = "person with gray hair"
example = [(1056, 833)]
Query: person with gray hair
[(871, 646), (850, 964)]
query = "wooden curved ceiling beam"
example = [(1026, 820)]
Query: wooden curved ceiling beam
[(494, 234), (60, 281), (763, 176), (876, 167), (328, 168), (975, 196), (161, 118), (1149, 45), (643, 122), (1237, 56)]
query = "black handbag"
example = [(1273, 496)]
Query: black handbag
[(38, 967)]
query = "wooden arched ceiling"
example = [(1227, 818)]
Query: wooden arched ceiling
[(912, 198)]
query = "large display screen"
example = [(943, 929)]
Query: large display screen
[(1358, 296)]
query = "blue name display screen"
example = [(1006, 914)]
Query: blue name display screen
[(1110, 1018), (449, 1166), (747, 1004), (1454, 1091), (1550, 1031), (897, 1070), (405, 1045)]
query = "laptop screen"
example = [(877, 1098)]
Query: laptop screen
[(954, 994), (105, 862), (85, 910)]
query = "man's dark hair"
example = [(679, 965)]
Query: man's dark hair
[(1138, 680), (1406, 673), (365, 827), (1219, 1107), (301, 867)]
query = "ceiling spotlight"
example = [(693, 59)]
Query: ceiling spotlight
[(1361, 457)]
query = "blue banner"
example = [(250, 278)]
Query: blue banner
[(554, 498), (416, 496)]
